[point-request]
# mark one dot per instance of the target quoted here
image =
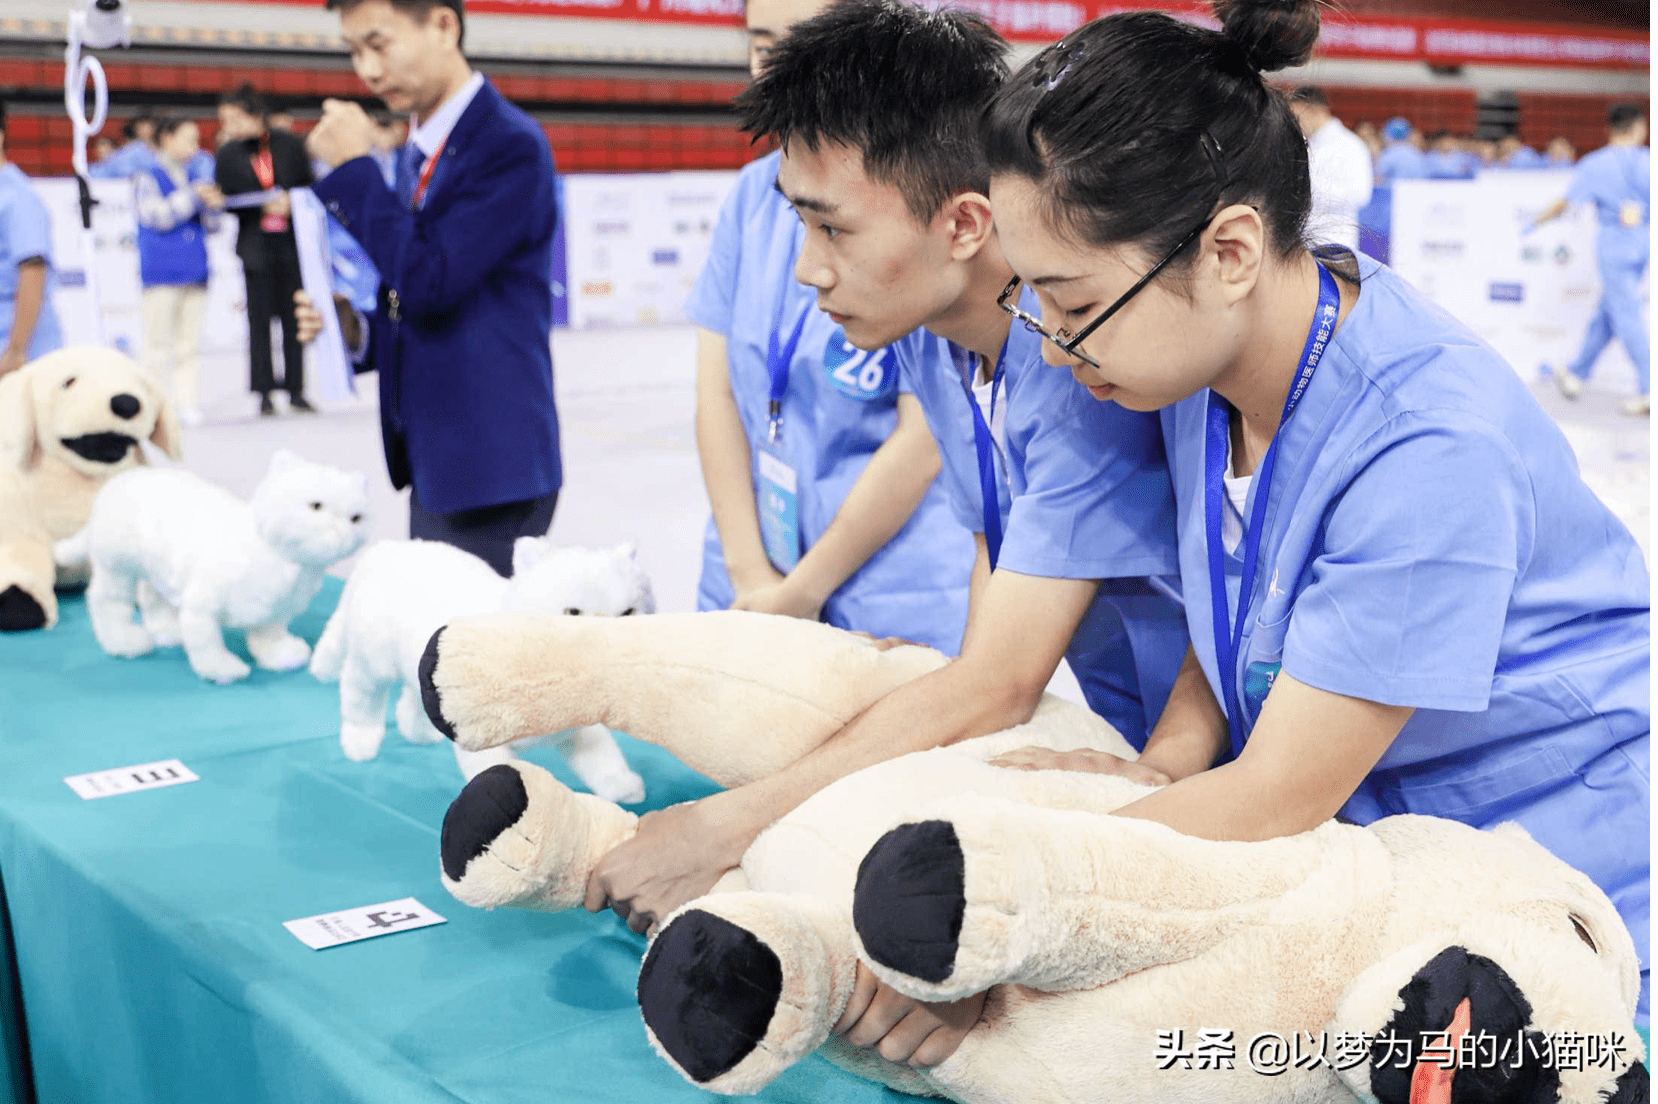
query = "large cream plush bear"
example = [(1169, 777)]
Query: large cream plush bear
[(69, 422), (1120, 956)]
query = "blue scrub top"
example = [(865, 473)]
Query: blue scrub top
[(1428, 542), (1524, 158), (25, 232), (840, 406), (1401, 161), (132, 158), (1609, 178), (1083, 493)]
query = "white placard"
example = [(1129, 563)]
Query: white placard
[(327, 365), (334, 928), (123, 780)]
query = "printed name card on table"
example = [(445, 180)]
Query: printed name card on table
[(331, 929), (123, 780)]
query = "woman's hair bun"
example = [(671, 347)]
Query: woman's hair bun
[(1273, 34)]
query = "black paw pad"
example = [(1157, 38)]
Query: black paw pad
[(429, 697), (19, 612), (708, 990), (910, 898), (1497, 1008), (489, 805)]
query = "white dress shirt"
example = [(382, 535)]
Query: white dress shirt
[(1342, 179), (429, 134)]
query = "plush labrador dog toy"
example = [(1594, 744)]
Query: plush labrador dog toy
[(69, 422), (1411, 961)]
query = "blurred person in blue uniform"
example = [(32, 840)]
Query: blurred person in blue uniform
[(1448, 160), (28, 322), (1617, 180), (1402, 596), (135, 155), (818, 463), (178, 205), (1560, 152), (1401, 158), (1513, 153), (462, 326)]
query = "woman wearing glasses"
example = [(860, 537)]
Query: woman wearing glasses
[(1401, 596)]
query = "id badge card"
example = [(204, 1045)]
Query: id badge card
[(779, 510)]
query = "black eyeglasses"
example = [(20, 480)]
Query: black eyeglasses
[(1064, 338)]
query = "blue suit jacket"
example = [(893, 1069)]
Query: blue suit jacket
[(461, 335)]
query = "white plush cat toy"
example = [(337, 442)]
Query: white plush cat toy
[(197, 560), (401, 592)]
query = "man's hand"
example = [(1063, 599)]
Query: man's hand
[(344, 133), (307, 319), (902, 1029), (783, 598), (1095, 762), (12, 359), (676, 856), (211, 197), (278, 206)]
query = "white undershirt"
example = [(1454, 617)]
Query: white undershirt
[(982, 380)]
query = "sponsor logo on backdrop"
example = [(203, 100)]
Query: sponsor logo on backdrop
[(664, 256), (1508, 293), (1444, 250)]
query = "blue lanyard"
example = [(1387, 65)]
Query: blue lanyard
[(777, 364), (990, 501), (1226, 644)]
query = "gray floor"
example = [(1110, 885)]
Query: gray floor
[(631, 474)]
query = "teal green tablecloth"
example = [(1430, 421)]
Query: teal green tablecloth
[(146, 929)]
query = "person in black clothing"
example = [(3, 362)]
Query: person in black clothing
[(253, 158)]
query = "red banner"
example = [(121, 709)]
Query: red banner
[(1437, 41)]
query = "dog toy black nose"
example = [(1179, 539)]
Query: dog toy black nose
[(125, 406)]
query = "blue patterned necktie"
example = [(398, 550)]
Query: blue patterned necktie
[(409, 160)]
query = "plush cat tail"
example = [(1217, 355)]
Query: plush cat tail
[(328, 660)]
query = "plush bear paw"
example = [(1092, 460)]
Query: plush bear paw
[(738, 987), (220, 668), (361, 742), (593, 754), (129, 641), (279, 653), (19, 612), (518, 836), (910, 900)]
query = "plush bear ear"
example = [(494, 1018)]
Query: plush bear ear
[(283, 461), (19, 429), (529, 551)]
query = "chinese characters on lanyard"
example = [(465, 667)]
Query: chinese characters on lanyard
[(1229, 632), (779, 483)]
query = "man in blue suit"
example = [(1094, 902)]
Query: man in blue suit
[(463, 242)]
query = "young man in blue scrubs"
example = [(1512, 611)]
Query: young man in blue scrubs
[(1617, 179), (28, 324), (898, 235), (1401, 594), (818, 463)]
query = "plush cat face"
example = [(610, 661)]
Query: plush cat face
[(600, 582), (310, 513)]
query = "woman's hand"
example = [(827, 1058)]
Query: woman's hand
[(781, 598), (902, 1029), (1083, 759)]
